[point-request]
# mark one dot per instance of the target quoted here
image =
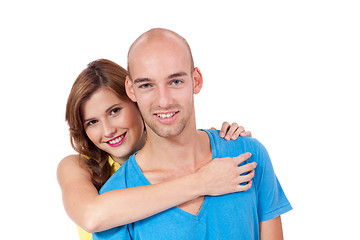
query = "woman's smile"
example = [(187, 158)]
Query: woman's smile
[(117, 141), (116, 125)]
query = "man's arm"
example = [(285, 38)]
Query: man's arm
[(271, 229), (272, 201)]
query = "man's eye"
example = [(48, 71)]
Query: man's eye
[(146, 85), (176, 82)]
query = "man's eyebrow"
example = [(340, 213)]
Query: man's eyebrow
[(141, 80), (175, 75)]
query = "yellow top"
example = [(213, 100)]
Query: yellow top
[(82, 233)]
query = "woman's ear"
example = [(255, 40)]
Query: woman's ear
[(197, 80), (129, 87)]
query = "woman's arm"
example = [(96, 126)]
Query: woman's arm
[(94, 212)]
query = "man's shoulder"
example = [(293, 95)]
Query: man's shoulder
[(118, 179), (214, 135), (221, 146)]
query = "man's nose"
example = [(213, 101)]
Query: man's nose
[(164, 97)]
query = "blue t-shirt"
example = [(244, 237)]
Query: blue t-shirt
[(230, 216)]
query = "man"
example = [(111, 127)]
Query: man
[(162, 80)]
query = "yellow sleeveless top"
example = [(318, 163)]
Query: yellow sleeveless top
[(82, 233)]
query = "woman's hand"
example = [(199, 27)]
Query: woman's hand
[(233, 131), (223, 175)]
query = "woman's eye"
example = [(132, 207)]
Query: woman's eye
[(115, 110), (92, 122)]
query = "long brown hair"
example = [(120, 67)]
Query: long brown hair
[(98, 74)]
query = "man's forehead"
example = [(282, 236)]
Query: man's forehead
[(159, 47), (154, 36), (160, 68), (158, 62)]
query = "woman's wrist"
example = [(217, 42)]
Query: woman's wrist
[(198, 184)]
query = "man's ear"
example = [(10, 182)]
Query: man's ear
[(197, 80), (129, 87)]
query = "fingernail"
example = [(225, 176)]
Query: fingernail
[(227, 137), (222, 134)]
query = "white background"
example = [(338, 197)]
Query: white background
[(288, 71)]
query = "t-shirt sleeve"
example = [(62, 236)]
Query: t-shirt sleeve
[(272, 201)]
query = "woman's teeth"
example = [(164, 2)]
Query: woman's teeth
[(116, 140), (165, 115)]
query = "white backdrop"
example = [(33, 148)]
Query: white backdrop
[(286, 70)]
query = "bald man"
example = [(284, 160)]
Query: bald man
[(163, 80)]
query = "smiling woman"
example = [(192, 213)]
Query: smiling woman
[(90, 114), (109, 127)]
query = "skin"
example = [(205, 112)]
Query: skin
[(119, 121), (106, 117), (271, 229), (232, 131), (163, 83)]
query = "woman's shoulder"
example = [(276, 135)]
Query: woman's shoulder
[(71, 163), (74, 159)]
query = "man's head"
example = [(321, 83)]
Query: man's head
[(162, 80), (157, 35)]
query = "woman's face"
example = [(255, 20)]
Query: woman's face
[(113, 125)]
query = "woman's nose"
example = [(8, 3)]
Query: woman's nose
[(109, 130)]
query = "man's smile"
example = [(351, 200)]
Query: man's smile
[(167, 117)]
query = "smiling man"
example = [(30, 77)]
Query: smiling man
[(162, 80)]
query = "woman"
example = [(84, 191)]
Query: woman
[(105, 129)]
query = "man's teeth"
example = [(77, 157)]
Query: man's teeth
[(165, 115), (116, 140)]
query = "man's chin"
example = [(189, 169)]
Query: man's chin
[(167, 131)]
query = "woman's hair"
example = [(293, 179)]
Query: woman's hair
[(101, 73)]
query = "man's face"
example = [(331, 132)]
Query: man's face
[(162, 84)]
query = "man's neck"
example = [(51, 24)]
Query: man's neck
[(178, 155)]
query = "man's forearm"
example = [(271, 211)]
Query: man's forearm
[(271, 229)]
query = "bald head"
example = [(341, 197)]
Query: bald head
[(161, 40)]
